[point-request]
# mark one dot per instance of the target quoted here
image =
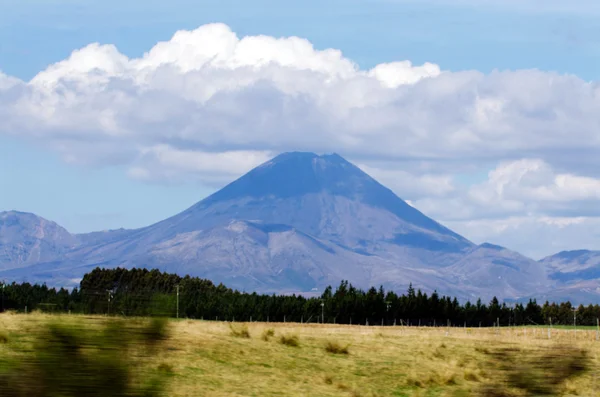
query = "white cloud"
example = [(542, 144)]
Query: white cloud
[(517, 188), (208, 90), (213, 169), (409, 184), (525, 205), (533, 180), (208, 105), (534, 236)]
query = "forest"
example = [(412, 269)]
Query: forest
[(143, 292)]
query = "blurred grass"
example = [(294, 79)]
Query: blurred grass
[(206, 359), (63, 357)]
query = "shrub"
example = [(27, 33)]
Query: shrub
[(536, 373), (243, 332), (336, 348), (290, 340), (268, 334)]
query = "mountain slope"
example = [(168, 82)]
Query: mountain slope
[(27, 239), (576, 272), (573, 265), (496, 268), (298, 223)]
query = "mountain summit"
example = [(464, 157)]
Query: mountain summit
[(299, 174), (298, 223)]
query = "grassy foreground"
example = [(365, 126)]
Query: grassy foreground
[(204, 358)]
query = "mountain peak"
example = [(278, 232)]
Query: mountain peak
[(307, 158), (294, 174), (297, 176), (12, 217)]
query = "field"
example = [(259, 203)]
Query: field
[(205, 358)]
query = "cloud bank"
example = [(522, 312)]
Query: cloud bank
[(208, 106)]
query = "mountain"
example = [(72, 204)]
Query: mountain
[(26, 239), (573, 265), (298, 223), (496, 268), (578, 273)]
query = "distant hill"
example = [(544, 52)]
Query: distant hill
[(298, 223), (576, 272), (27, 239)]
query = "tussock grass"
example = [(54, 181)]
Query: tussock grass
[(3, 337), (241, 332), (336, 348), (203, 356), (290, 340), (471, 376), (539, 372), (268, 334)]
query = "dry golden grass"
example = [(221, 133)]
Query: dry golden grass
[(336, 348), (204, 358)]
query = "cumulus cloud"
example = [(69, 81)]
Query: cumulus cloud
[(208, 90), (416, 185), (213, 169), (207, 105), (516, 188), (526, 205), (535, 180)]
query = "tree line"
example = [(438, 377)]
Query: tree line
[(143, 292)]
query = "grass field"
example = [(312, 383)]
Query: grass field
[(206, 358)]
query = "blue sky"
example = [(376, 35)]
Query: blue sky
[(458, 36)]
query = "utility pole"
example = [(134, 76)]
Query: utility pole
[(177, 286), (109, 299), (3, 285), (387, 310)]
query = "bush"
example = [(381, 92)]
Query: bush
[(289, 340), (268, 334), (336, 348), (535, 373), (243, 332), (70, 360)]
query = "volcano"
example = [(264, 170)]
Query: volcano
[(299, 223)]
